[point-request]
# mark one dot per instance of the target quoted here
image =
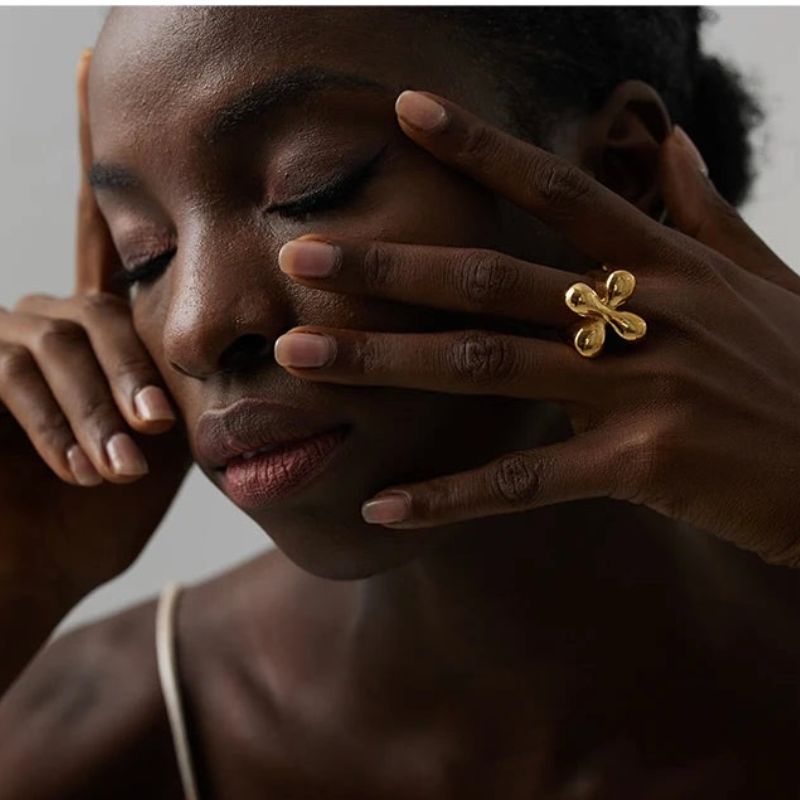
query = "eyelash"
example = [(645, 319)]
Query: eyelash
[(335, 193), (330, 196), (146, 271)]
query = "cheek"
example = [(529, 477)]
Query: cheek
[(432, 204), (417, 201)]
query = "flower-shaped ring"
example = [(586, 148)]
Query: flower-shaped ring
[(599, 307)]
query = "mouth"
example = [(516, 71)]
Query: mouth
[(257, 478), (259, 450)]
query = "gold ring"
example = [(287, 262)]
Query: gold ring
[(599, 306)]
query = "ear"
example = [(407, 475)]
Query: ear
[(619, 143)]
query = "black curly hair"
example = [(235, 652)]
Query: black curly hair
[(554, 59)]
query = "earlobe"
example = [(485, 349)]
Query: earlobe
[(620, 143)]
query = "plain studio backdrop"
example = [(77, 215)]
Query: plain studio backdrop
[(204, 533)]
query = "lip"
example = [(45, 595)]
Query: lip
[(225, 434), (259, 481)]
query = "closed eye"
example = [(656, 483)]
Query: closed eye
[(144, 271), (336, 193)]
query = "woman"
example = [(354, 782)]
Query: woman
[(575, 580)]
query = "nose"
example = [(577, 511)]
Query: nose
[(227, 303)]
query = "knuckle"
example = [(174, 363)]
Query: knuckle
[(133, 367), (638, 466), (52, 432), (31, 301), (439, 498), (516, 479), (56, 332), (559, 184), (101, 304), (365, 355), (478, 145), (653, 454), (15, 362), (482, 358), (101, 410), (485, 280), (376, 266)]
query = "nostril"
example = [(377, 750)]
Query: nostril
[(247, 351)]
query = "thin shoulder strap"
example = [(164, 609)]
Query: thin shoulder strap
[(168, 674)]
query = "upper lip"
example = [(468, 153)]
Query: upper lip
[(251, 423)]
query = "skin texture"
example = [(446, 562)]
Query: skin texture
[(603, 647)]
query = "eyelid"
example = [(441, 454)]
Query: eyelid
[(340, 182), (143, 269)]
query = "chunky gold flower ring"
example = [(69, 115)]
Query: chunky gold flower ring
[(599, 306)]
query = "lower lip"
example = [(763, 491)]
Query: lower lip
[(255, 482)]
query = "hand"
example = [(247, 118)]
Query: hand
[(699, 420), (84, 414)]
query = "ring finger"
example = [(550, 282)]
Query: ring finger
[(459, 362)]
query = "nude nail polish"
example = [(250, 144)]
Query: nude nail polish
[(126, 458)]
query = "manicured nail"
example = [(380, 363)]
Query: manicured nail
[(691, 148), (308, 259), (126, 458), (151, 404), (82, 468), (419, 111), (304, 349), (391, 507)]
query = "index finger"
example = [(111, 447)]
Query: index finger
[(598, 221), (96, 255)]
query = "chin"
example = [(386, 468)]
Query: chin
[(346, 549)]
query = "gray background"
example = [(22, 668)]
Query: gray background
[(204, 533)]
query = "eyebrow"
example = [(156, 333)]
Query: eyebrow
[(249, 107), (281, 89), (103, 175)]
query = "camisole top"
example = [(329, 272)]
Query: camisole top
[(170, 685)]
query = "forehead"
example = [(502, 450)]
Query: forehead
[(155, 65)]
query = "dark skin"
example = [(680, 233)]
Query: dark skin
[(498, 643)]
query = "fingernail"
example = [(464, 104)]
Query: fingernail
[(392, 507), (304, 349), (691, 148), (82, 468), (308, 259), (126, 458), (152, 405), (419, 111)]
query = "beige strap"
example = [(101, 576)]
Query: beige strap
[(168, 673)]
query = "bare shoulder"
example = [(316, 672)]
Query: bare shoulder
[(86, 718)]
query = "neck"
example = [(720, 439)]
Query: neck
[(574, 603)]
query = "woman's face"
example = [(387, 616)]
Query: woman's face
[(319, 88)]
